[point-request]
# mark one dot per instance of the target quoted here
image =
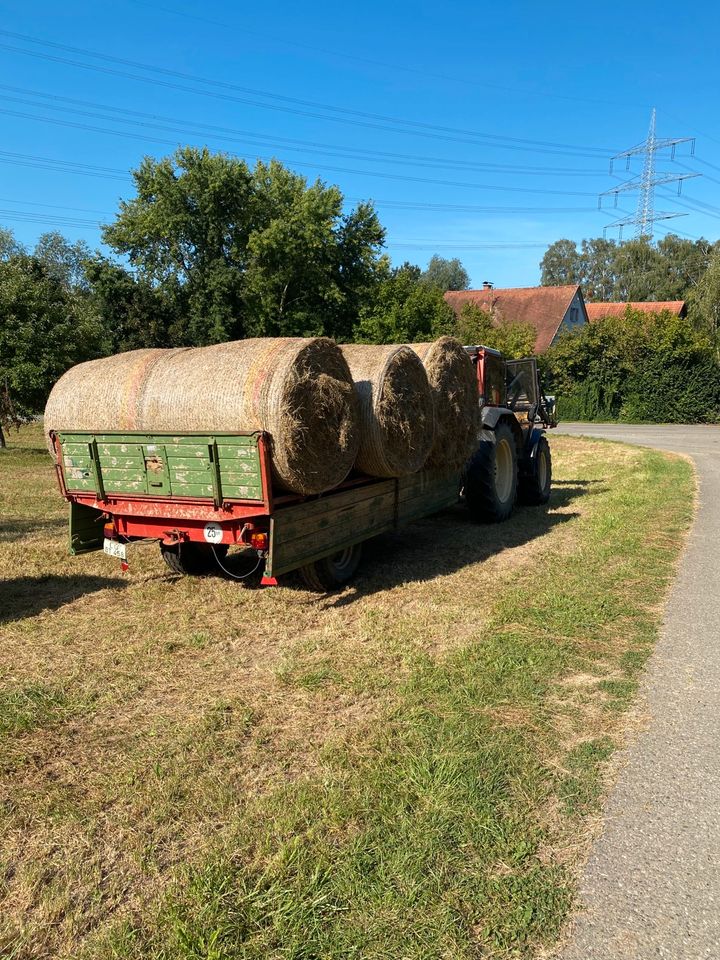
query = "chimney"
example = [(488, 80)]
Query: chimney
[(487, 285)]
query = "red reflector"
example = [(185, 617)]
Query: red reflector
[(259, 541)]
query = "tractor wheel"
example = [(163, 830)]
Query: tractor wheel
[(193, 559), (491, 476), (332, 573), (535, 486)]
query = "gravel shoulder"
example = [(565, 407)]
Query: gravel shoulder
[(652, 885)]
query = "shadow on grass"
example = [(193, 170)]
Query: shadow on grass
[(24, 597), (448, 541)]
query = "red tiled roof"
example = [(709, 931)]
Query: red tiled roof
[(543, 307), (596, 311)]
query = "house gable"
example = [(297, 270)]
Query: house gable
[(544, 308)]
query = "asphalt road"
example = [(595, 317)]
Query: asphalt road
[(651, 888)]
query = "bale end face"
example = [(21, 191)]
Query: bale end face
[(316, 435), (396, 409)]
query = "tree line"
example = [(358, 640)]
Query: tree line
[(210, 249)]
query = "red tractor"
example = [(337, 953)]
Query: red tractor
[(513, 460)]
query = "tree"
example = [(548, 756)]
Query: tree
[(597, 269), (64, 261), (446, 274), (44, 329), (636, 270), (705, 300), (477, 326), (9, 246), (134, 312), (562, 264), (404, 309), (237, 252)]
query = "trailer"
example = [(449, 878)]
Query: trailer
[(200, 495)]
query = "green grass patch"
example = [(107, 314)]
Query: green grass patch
[(433, 837), (25, 708)]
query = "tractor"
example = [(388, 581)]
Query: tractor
[(512, 461)]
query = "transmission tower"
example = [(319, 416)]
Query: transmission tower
[(646, 214)]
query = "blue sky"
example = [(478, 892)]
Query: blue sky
[(481, 131)]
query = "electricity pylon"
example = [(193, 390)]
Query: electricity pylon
[(646, 214)]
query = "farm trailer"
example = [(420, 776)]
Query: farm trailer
[(199, 494)]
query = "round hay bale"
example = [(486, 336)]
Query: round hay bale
[(396, 409), (299, 390), (100, 394), (453, 382)]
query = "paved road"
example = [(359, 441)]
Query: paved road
[(652, 885)]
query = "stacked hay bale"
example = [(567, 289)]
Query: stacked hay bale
[(453, 382), (397, 419), (299, 390)]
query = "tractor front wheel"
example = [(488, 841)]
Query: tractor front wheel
[(535, 485), (491, 476)]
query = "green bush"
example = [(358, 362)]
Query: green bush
[(650, 368)]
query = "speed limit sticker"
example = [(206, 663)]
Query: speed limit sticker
[(213, 532)]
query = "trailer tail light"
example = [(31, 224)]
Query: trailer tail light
[(109, 531), (259, 541)]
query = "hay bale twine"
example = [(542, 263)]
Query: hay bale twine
[(396, 409), (453, 382), (299, 390)]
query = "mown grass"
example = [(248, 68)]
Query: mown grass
[(407, 770)]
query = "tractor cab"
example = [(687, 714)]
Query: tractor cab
[(512, 384)]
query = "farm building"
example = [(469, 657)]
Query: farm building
[(595, 311), (549, 309)]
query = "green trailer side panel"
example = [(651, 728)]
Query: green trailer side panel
[(86, 528), (165, 464)]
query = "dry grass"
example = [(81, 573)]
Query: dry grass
[(146, 718)]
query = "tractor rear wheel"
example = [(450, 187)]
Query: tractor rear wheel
[(535, 485), (332, 573), (491, 476), (193, 559)]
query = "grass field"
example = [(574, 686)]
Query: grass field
[(408, 769)]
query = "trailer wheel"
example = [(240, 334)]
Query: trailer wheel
[(535, 486), (193, 559), (332, 573), (491, 476)]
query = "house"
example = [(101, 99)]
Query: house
[(549, 309), (596, 311)]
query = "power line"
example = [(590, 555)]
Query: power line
[(290, 104), (68, 166), (333, 169), (141, 119), (62, 166), (381, 63)]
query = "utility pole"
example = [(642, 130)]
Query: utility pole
[(646, 215)]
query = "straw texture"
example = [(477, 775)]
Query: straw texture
[(396, 409), (452, 379), (298, 390)]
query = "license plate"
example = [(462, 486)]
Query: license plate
[(113, 548)]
